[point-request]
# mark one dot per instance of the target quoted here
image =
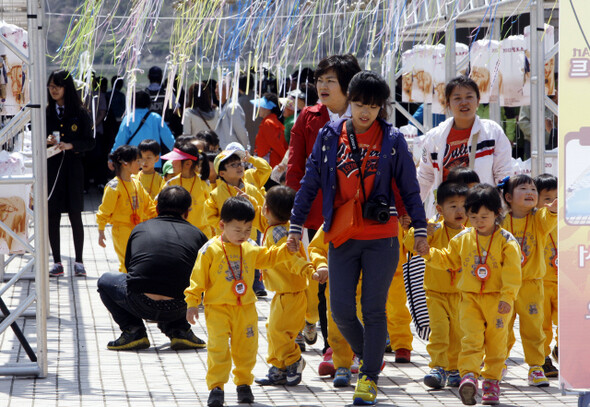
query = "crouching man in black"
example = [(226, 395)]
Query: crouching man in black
[(160, 257)]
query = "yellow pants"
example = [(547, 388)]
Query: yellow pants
[(398, 315), (312, 315), (239, 325), (484, 332), (444, 343), (549, 313), (341, 352), (287, 315), (121, 235), (529, 307)]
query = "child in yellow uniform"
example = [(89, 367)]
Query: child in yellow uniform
[(125, 203), (230, 169), (224, 273), (150, 154), (442, 296), (398, 316), (489, 258), (530, 226), (260, 172), (186, 160), (288, 306), (547, 188)]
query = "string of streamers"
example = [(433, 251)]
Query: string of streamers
[(211, 38)]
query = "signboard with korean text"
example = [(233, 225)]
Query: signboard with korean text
[(574, 195)]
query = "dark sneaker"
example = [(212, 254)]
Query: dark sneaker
[(216, 397), (57, 270), (453, 378), (245, 394), (186, 340), (403, 355), (130, 341), (436, 379), (261, 292), (275, 376), (79, 270), (310, 333), (300, 340), (549, 369), (295, 372)]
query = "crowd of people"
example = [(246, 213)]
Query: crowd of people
[(228, 214)]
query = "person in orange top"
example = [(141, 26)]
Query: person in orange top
[(270, 140)]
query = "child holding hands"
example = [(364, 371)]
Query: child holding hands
[(489, 257), (531, 227), (224, 273)]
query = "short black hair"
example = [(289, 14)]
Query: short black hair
[(447, 190), (243, 81), (149, 145), (311, 93), (155, 74), (279, 201), (173, 200), (513, 182), (463, 175), (345, 66), (185, 138), (142, 99), (123, 154), (483, 195), (545, 182), (209, 137), (463, 81), (369, 88), (237, 208), (231, 159)]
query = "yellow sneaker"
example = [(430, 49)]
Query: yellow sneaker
[(365, 392)]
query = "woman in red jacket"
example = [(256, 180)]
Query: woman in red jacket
[(270, 141)]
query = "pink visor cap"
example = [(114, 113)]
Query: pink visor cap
[(177, 155)]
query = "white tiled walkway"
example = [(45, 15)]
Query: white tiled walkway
[(82, 372)]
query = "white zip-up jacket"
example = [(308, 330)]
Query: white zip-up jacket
[(493, 156)]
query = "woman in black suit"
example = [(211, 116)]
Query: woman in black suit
[(67, 116)]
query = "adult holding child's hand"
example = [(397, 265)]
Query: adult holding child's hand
[(363, 167)]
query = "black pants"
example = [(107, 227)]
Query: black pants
[(130, 309), (54, 220)]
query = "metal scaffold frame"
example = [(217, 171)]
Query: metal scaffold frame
[(474, 15), (34, 113)]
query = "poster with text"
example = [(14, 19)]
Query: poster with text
[(574, 196)]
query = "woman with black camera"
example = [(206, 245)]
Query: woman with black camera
[(358, 164)]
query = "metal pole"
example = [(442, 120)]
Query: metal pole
[(537, 89), (38, 139), (450, 51)]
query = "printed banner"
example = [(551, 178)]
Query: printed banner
[(574, 196), (14, 94)]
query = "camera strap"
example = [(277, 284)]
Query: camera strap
[(356, 153)]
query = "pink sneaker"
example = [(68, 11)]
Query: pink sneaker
[(491, 392), (326, 367), (468, 389)]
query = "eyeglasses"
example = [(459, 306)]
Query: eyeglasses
[(235, 165), (54, 87)]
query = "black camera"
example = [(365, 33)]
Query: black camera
[(377, 211)]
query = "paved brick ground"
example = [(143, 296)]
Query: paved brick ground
[(82, 372)]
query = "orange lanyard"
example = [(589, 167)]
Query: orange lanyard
[(483, 271), (134, 216), (191, 191), (239, 286), (523, 258), (152, 183), (453, 272)]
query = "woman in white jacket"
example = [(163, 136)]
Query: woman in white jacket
[(450, 144)]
